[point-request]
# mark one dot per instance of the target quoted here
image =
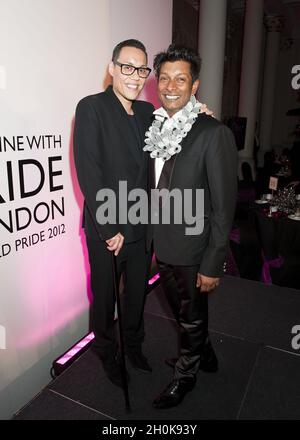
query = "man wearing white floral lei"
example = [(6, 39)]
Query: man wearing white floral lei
[(189, 149)]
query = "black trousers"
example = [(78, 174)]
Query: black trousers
[(134, 264), (190, 308)]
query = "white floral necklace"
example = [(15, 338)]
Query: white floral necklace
[(163, 141)]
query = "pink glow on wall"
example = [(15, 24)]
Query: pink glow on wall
[(149, 92), (49, 329), (49, 298)]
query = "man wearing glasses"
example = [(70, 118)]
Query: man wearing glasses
[(108, 148)]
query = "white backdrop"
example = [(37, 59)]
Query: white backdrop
[(52, 53)]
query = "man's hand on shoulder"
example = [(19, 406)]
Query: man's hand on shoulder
[(206, 110), (115, 243), (206, 284)]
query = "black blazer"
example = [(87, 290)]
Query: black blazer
[(106, 151), (208, 160)]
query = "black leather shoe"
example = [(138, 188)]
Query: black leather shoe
[(174, 394), (208, 360), (138, 360)]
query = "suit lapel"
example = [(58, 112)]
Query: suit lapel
[(123, 125), (151, 173), (142, 124)]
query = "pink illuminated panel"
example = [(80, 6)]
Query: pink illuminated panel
[(74, 350), (153, 279)]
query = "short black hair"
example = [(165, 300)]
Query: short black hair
[(127, 43), (176, 52)]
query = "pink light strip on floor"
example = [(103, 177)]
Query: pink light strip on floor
[(74, 350), (83, 342), (153, 279)]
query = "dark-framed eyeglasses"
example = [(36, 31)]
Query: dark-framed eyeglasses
[(128, 69)]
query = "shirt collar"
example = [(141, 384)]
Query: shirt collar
[(163, 113)]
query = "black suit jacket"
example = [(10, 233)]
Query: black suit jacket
[(106, 151), (208, 161)]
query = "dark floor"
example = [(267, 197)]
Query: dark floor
[(259, 377)]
